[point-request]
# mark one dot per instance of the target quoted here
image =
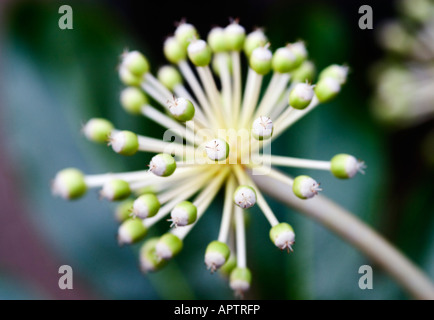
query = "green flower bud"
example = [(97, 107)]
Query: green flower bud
[(262, 128), (216, 255), (245, 197), (123, 210), (260, 60), (162, 165), (131, 231), (183, 214), (185, 33), (336, 72), (217, 149), (305, 187), (326, 89), (299, 49), (146, 206), (181, 109), (344, 166), (230, 265), (133, 99), (168, 246), (135, 62), (149, 260), (199, 53), (69, 184), (169, 77), (301, 96), (305, 72), (285, 60), (217, 40), (115, 189), (174, 51), (283, 236), (254, 40), (129, 78), (125, 143), (235, 36), (98, 130), (240, 280)]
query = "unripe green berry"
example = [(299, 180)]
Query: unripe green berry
[(169, 77), (301, 96), (305, 187), (199, 53), (184, 213), (235, 36), (181, 109), (260, 60), (124, 142), (344, 166), (129, 78), (245, 197), (133, 99), (335, 71), (174, 51), (326, 89), (115, 189), (131, 231), (262, 128), (283, 236), (162, 165), (216, 255), (135, 62), (217, 149), (185, 33), (69, 184), (285, 60), (146, 206), (217, 40), (240, 280), (254, 40), (168, 246), (123, 210), (149, 260), (98, 130), (304, 73)]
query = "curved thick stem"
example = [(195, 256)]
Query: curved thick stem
[(355, 232)]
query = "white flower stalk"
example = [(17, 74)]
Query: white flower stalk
[(217, 149)]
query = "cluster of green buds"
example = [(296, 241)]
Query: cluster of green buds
[(404, 79), (222, 130)]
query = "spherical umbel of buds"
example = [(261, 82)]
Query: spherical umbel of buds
[(123, 210), (245, 197), (98, 130), (235, 36), (262, 128), (254, 40), (181, 109), (183, 214), (260, 60), (169, 77), (174, 51), (216, 255), (124, 142), (344, 166), (131, 231), (149, 260), (305, 187), (185, 33), (285, 60), (335, 71), (162, 165), (199, 53), (146, 206), (240, 280), (301, 96), (327, 88), (69, 184), (217, 149), (168, 246), (135, 63), (133, 99), (216, 39), (283, 236), (115, 189)]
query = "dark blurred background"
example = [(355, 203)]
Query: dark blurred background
[(53, 80)]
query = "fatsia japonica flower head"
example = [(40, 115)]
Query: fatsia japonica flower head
[(220, 130)]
